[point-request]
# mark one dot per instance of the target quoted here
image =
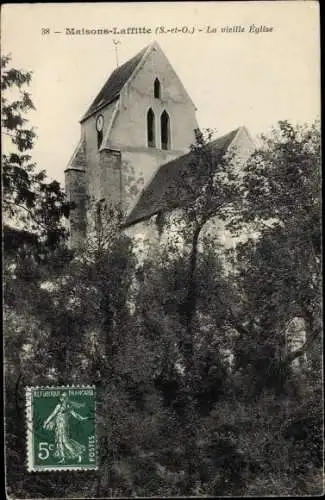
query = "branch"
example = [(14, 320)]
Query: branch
[(44, 226)]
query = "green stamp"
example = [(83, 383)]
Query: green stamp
[(61, 428)]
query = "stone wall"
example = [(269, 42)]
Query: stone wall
[(92, 152), (110, 187)]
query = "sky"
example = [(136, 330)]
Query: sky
[(235, 74)]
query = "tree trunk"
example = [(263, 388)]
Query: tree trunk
[(190, 303)]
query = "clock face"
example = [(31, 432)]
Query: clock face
[(99, 123)]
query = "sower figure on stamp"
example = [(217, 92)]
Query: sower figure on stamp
[(65, 446)]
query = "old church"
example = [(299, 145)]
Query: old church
[(135, 140), (137, 133)]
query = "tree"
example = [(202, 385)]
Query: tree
[(33, 206), (172, 421), (189, 308), (277, 276), (212, 193), (280, 270)]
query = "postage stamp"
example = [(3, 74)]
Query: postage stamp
[(61, 428)]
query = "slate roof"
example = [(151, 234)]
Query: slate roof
[(176, 183), (113, 86)]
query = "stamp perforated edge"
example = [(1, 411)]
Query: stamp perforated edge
[(29, 428)]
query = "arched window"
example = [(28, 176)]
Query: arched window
[(165, 130), (99, 138), (156, 89), (151, 129)]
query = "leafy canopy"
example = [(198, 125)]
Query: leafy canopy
[(33, 205)]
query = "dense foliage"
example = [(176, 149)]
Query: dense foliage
[(203, 401), (33, 207)]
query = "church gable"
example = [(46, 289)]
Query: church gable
[(155, 77), (244, 146), (155, 110), (143, 105)]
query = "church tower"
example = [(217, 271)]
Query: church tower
[(141, 119)]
